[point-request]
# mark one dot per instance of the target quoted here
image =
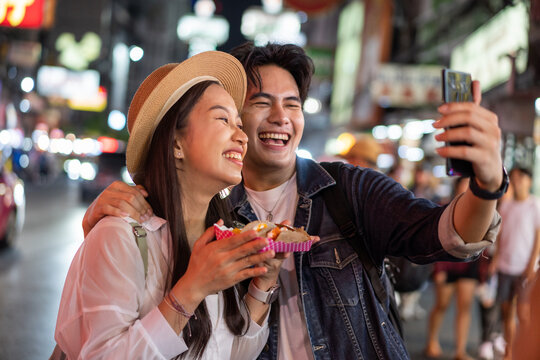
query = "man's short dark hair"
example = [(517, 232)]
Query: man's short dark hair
[(289, 57)]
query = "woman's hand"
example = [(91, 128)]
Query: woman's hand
[(118, 199), (218, 265)]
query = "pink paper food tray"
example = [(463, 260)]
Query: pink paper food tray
[(223, 232)]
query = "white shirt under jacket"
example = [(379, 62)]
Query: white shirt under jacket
[(109, 311)]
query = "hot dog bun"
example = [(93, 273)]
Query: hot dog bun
[(278, 232)]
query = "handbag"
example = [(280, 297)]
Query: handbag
[(140, 238)]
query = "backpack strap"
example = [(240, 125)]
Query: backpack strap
[(140, 238), (340, 210)]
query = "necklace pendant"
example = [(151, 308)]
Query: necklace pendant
[(269, 217)]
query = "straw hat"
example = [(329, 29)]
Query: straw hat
[(365, 148), (166, 85)]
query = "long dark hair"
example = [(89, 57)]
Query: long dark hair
[(288, 56), (159, 177)]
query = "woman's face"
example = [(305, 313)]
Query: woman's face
[(213, 144)]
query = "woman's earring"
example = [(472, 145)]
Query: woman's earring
[(178, 154)]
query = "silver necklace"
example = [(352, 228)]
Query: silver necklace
[(269, 213)]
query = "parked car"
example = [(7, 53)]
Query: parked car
[(12, 206), (100, 172)]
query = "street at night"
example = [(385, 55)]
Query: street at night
[(32, 276)]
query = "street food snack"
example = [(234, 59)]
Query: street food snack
[(282, 238), (278, 232)]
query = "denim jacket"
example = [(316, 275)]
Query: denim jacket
[(343, 316)]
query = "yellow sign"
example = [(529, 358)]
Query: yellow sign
[(14, 11)]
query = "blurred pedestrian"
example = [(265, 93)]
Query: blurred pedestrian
[(492, 343), (527, 345), (451, 278), (364, 152), (517, 251), (409, 301)]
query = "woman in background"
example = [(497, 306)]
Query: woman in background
[(449, 278)]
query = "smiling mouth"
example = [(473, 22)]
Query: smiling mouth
[(271, 138), (233, 155)]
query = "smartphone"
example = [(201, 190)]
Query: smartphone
[(457, 87)]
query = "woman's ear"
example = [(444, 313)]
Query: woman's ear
[(178, 153)]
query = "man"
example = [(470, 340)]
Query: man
[(327, 306), (517, 251)]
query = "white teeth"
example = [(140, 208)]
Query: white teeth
[(236, 156), (274, 136)]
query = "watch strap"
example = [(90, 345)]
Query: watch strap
[(488, 195), (266, 297)]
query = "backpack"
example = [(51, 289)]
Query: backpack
[(340, 210), (140, 238), (409, 276)]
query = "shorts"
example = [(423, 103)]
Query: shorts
[(509, 287), (458, 270)]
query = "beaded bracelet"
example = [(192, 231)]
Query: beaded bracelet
[(174, 304), (178, 306)]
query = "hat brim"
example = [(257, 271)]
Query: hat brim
[(166, 85)]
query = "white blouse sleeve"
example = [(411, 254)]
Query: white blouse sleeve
[(99, 315), (250, 345)]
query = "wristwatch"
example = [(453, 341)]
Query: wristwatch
[(266, 297), (487, 195)]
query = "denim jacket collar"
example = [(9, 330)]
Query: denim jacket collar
[(311, 178)]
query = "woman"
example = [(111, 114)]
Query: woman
[(450, 277), (186, 144)]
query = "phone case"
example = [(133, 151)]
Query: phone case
[(457, 87)]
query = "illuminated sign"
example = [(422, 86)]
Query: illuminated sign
[(21, 13), (407, 85), (54, 81), (78, 55), (24, 53), (96, 103), (485, 53), (263, 27), (203, 30), (348, 52), (312, 6)]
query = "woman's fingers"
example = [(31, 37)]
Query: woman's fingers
[(216, 266), (207, 237)]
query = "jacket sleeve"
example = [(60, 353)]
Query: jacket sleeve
[(397, 223)]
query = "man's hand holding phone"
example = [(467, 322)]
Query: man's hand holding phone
[(477, 137)]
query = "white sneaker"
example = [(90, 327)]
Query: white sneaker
[(499, 345), (485, 351)]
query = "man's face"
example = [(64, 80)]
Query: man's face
[(273, 120), (521, 182)]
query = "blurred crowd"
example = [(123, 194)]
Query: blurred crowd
[(502, 282)]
